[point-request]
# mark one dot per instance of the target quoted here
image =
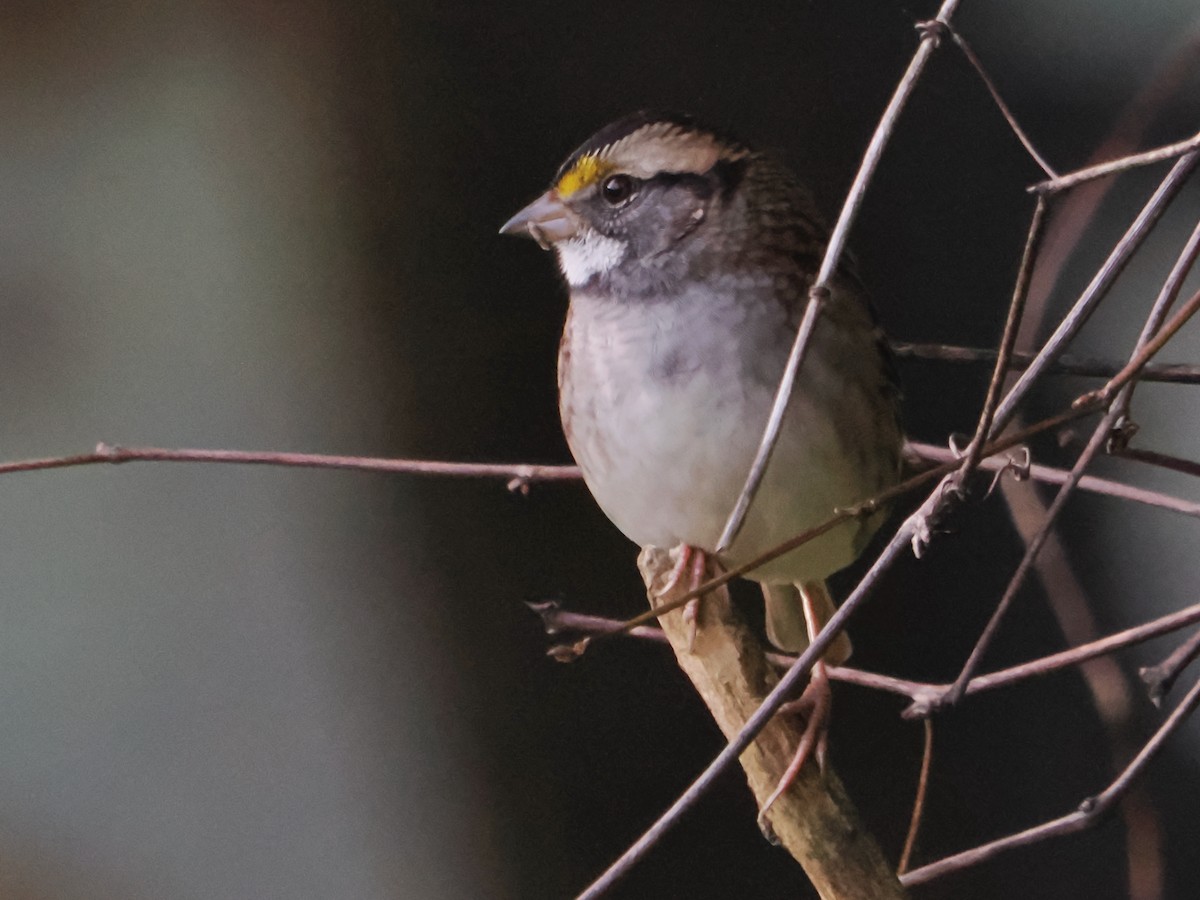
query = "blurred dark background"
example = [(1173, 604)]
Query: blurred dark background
[(273, 226)]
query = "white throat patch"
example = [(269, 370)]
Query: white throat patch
[(587, 254)]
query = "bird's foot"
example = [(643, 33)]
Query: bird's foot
[(813, 705), (691, 566)]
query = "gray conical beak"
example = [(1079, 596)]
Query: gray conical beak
[(547, 220)]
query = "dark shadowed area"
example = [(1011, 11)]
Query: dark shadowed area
[(260, 225)]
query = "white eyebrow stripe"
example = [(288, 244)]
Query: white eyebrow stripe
[(666, 147)]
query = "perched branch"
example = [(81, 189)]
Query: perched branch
[(814, 818), (914, 526)]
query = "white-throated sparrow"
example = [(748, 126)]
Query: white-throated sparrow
[(689, 256)]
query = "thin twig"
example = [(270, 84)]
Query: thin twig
[(1050, 475), (1066, 364), (829, 263), (1131, 370), (1108, 685), (1162, 460), (1162, 305), (1090, 812), (1110, 689), (737, 516), (1161, 678), (1098, 287), (914, 824), (518, 475), (1066, 658), (1124, 164), (566, 653), (1015, 126), (522, 474), (1113, 393), (1016, 309), (556, 620)]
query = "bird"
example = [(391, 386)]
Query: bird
[(688, 256)]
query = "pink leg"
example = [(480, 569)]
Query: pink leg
[(814, 704)]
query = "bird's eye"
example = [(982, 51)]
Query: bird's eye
[(616, 189)]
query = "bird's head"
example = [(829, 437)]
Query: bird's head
[(632, 195)]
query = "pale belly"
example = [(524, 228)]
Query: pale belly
[(665, 432)]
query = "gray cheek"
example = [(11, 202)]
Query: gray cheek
[(657, 229)]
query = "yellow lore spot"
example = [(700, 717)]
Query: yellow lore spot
[(587, 170)]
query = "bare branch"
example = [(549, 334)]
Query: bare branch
[(1162, 460), (1015, 126), (1090, 812), (518, 475), (1066, 364), (866, 507), (1098, 287), (1050, 475), (1016, 309), (1124, 164), (1114, 393), (914, 825), (1161, 678), (829, 263), (1146, 351), (556, 620), (1109, 687)]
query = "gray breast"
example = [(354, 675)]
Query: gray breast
[(663, 406)]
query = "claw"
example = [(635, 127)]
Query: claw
[(681, 565), (814, 705), (693, 562)]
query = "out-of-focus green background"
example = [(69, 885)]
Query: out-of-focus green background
[(273, 226)]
